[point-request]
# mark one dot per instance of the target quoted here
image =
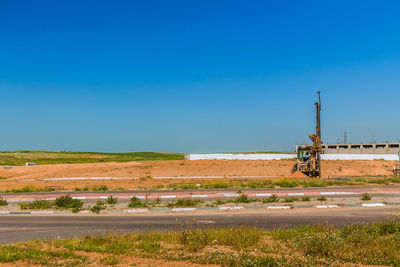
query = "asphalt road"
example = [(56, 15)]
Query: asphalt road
[(15, 228)]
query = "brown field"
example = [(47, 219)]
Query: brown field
[(145, 171)]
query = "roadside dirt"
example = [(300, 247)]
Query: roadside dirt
[(143, 173)]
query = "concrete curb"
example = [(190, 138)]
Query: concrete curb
[(168, 210)]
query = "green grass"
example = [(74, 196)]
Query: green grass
[(30, 189), (375, 244), (17, 158), (289, 183)]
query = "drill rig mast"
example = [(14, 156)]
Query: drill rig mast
[(309, 156)]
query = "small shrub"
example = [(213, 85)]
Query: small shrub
[(3, 202), (321, 198), (36, 205), (111, 200), (67, 202), (273, 198), (306, 198), (136, 203), (98, 207), (366, 197)]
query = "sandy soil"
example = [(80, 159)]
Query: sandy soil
[(144, 172)]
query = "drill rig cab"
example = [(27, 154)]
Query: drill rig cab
[(309, 156)]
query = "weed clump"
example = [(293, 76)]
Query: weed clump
[(321, 198), (98, 207), (366, 197), (306, 198), (111, 200)]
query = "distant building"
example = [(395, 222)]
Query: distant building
[(374, 148)]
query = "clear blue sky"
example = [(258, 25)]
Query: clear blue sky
[(196, 76)]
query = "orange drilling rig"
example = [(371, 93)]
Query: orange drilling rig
[(309, 156)]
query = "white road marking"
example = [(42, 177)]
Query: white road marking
[(209, 177), (295, 194), (326, 206), (373, 204), (228, 194), (199, 196), (263, 194), (78, 197), (183, 209), (278, 207), (338, 193), (167, 196), (4, 212), (51, 198)]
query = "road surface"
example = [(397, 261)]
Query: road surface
[(15, 228)]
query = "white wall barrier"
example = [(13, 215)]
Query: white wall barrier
[(240, 156), (291, 156)]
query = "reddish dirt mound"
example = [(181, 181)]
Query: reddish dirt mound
[(298, 175)]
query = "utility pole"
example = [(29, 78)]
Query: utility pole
[(317, 147)]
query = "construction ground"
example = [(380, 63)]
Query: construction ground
[(152, 174)]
